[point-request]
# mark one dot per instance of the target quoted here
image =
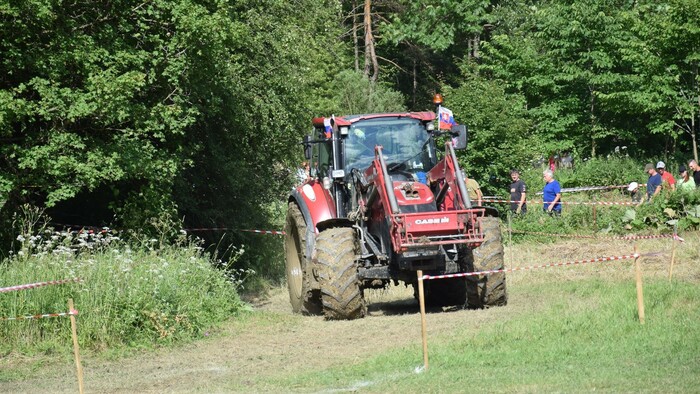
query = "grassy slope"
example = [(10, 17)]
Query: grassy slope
[(580, 332), (566, 329)]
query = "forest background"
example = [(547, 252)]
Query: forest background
[(151, 116)]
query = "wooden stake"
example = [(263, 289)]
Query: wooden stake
[(640, 293), (673, 254), (510, 238), (595, 221), (76, 349), (421, 301)]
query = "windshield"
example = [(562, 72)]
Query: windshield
[(405, 144)]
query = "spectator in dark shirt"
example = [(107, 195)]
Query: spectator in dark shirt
[(696, 171), (654, 182), (517, 194)]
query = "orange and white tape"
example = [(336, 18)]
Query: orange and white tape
[(72, 312), (38, 284), (599, 259), (621, 237), (272, 232), (565, 202)]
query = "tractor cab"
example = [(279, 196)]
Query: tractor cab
[(408, 148), (344, 147)]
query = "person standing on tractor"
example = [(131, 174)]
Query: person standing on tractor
[(474, 190)]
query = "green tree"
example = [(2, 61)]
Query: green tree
[(500, 133), (667, 59), (121, 100)]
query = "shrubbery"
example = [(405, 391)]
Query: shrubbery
[(131, 294), (668, 210)]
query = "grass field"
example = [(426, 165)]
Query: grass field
[(577, 331)]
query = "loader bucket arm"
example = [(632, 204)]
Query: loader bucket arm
[(419, 230), (448, 170)]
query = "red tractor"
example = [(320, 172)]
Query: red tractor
[(381, 203)]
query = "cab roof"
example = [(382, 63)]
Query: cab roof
[(426, 116)]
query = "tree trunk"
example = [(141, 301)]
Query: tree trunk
[(593, 121), (355, 42), (370, 55), (693, 134), (415, 82), (693, 124)]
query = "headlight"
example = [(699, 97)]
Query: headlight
[(327, 183)]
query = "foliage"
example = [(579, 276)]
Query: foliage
[(352, 93), (131, 295), (499, 132), (116, 113), (676, 211), (615, 170)]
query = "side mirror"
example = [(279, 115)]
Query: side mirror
[(307, 147), (460, 136)]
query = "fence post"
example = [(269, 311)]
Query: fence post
[(510, 238), (673, 251), (640, 294), (76, 349), (424, 335), (595, 220)]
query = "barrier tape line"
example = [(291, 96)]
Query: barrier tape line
[(535, 202), (621, 237), (273, 232), (591, 188), (38, 284), (73, 312), (93, 229), (595, 260)]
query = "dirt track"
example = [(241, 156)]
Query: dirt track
[(271, 343)]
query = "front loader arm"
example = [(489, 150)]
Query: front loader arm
[(424, 229), (448, 170)]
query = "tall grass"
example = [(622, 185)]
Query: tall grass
[(131, 295)]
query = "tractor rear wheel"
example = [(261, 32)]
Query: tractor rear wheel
[(484, 291), (298, 265), (336, 261)]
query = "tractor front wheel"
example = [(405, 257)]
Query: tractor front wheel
[(484, 291), (298, 265), (336, 262)]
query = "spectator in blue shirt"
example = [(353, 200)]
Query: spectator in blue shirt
[(654, 182), (551, 194)]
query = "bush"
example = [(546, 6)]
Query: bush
[(616, 170), (138, 295)]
